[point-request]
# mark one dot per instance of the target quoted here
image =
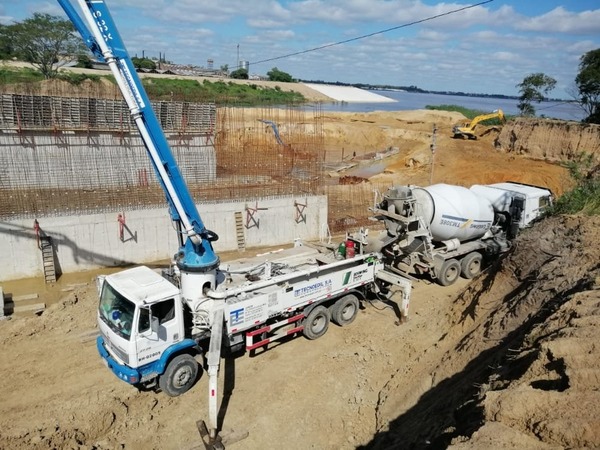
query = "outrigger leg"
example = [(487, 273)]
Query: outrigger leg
[(209, 433), (210, 437)]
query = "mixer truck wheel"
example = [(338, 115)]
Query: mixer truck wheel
[(449, 272), (471, 265), (345, 310), (316, 323), (180, 375)]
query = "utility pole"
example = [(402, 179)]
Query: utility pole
[(238, 56), (432, 147)]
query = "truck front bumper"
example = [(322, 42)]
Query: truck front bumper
[(125, 373)]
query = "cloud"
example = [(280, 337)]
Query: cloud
[(563, 21)]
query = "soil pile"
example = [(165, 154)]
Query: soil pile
[(551, 140), (518, 364)]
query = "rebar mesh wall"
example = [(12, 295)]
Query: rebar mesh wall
[(40, 112), (267, 152), (349, 205), (60, 156)]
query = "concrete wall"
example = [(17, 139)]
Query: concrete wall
[(91, 241)]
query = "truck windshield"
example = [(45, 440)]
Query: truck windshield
[(116, 311)]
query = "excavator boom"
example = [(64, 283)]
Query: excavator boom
[(467, 130)]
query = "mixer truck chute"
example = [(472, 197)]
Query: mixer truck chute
[(447, 231)]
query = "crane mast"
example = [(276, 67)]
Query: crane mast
[(97, 28)]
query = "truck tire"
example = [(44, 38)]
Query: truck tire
[(316, 323), (470, 266), (345, 310), (449, 272), (180, 375)]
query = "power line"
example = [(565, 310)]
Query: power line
[(321, 47)]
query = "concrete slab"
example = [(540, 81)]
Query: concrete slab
[(349, 94)]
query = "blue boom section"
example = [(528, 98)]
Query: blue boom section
[(198, 254)]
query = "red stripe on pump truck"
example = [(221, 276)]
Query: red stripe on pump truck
[(295, 330), (258, 344), (259, 331), (295, 318)]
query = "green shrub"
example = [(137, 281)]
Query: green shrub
[(166, 89), (25, 75), (584, 198)]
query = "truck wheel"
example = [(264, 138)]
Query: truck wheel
[(345, 310), (180, 375), (471, 265), (316, 323), (449, 272)]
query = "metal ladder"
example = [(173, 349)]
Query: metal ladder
[(239, 231), (48, 259)]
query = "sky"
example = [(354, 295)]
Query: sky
[(489, 48)]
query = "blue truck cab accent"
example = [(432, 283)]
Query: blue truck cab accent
[(147, 371), (123, 372)]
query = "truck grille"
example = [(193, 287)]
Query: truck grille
[(112, 349)]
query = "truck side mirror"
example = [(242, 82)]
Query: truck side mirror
[(99, 283), (154, 324)]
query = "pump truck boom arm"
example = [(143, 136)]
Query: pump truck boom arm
[(102, 38), (153, 326)]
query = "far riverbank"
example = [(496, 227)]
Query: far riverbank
[(408, 101)]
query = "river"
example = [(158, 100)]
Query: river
[(406, 101)]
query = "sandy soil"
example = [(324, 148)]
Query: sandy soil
[(508, 360)]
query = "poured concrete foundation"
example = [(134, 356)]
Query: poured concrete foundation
[(86, 242)]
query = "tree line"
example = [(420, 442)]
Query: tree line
[(48, 42)]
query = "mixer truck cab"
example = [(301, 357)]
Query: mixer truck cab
[(522, 202)]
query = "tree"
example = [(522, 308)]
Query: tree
[(532, 88), (588, 85), (45, 41), (225, 68), (277, 75), (143, 63), (84, 61), (240, 74), (6, 46)]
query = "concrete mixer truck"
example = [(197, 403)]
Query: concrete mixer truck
[(446, 231)]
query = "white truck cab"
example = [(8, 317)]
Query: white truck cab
[(523, 202), (140, 317)]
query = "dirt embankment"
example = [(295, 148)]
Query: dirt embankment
[(517, 366), (550, 140)]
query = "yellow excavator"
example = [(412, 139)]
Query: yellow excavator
[(466, 130)]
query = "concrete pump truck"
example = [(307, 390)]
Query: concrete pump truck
[(153, 326)]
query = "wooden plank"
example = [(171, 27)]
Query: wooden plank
[(20, 298), (35, 308)]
